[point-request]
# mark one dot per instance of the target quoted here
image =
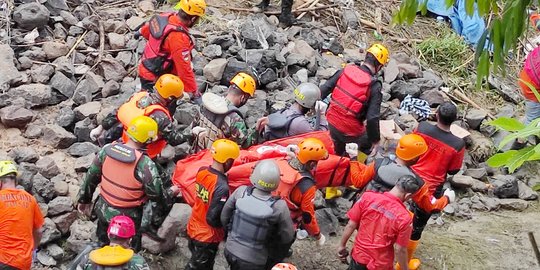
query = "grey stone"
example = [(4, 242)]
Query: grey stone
[(110, 88), (24, 154), (233, 67), (63, 84), (353, 55), (174, 223), (225, 41), (514, 204), (91, 39), (65, 117), (508, 92), (15, 116), (83, 163), (75, 31), (255, 31), (333, 46), (41, 73), (474, 118), (54, 50), (297, 59), (212, 51), (267, 76), (24, 62), (65, 220), (319, 201), (340, 207), (47, 167), (57, 136), (406, 122), (328, 222), (31, 15), (69, 19), (116, 41), (400, 89), (82, 149), (350, 18), (33, 131), (433, 97), (213, 72), (480, 147), (96, 80), (55, 6), (81, 235), (45, 259), (391, 71), (60, 205), (125, 58), (35, 94), (426, 84), (302, 75), (90, 109), (199, 62), (185, 113), (55, 251), (526, 192), (464, 181), (50, 232), (60, 187), (477, 173), (111, 69), (505, 186), (83, 92), (82, 130), (64, 65), (134, 22)]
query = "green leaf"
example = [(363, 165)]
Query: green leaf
[(533, 89), (480, 46), (449, 3), (519, 158), (423, 8), (469, 7), (411, 11), (507, 123), (530, 130), (536, 187), (482, 68), (501, 159)]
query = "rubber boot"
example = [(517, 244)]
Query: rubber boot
[(262, 6), (332, 193), (286, 18), (414, 264)]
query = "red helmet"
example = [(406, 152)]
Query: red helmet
[(121, 227), (284, 266)]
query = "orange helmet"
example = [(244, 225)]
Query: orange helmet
[(311, 149), (169, 86), (411, 146), (245, 82), (284, 266)]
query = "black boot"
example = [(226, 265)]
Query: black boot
[(262, 6), (286, 18)]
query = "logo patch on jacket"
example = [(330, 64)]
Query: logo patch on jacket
[(202, 192), (186, 55)]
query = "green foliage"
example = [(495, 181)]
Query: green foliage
[(448, 52), (504, 30)]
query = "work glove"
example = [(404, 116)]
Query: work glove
[(96, 132), (321, 240), (320, 107), (185, 97), (292, 149), (450, 194), (352, 150), (197, 130)]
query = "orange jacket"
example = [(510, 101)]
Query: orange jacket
[(179, 46), (306, 210)]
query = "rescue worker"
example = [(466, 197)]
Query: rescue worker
[(219, 117), (153, 104), (444, 156), (298, 189), (116, 255), (21, 221), (529, 82), (204, 227), (286, 17), (169, 45), (255, 219), (128, 178), (356, 97), (293, 120), (382, 220)]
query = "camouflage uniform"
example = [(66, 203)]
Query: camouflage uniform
[(146, 172), (137, 262)]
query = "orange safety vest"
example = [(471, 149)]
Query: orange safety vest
[(119, 187), (130, 110), (289, 179)]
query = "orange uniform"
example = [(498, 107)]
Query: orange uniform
[(303, 195), (19, 217), (212, 192)]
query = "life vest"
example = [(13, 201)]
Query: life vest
[(250, 223), (279, 124), (119, 187), (154, 58), (213, 123), (131, 109), (387, 173), (351, 92), (289, 180)]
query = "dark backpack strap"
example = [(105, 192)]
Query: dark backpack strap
[(378, 164), (290, 120)]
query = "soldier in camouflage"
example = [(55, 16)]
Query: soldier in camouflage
[(129, 179), (219, 118)]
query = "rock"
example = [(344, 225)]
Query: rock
[(55, 251), (212, 51), (449, 209), (111, 69), (36, 94), (526, 192), (391, 71), (134, 22), (82, 130), (328, 223), (24, 154), (47, 167), (333, 46), (116, 41), (514, 204), (433, 97), (110, 88), (480, 147), (90, 109), (408, 67), (65, 117), (16, 116), (50, 232), (96, 80), (63, 221), (61, 83), (31, 15), (82, 149), (340, 207), (45, 259), (505, 186), (474, 118), (267, 76), (174, 223), (326, 73), (464, 181), (60, 205), (255, 31), (319, 201), (225, 41), (60, 187), (491, 204), (233, 67), (400, 89), (350, 18), (508, 92), (54, 50), (81, 235), (83, 92), (477, 173), (426, 84), (69, 19), (55, 6), (83, 163), (41, 73), (302, 75), (213, 72), (57, 136), (185, 113), (406, 122), (33, 131), (125, 58), (9, 72), (252, 57)]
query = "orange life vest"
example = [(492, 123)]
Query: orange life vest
[(130, 110), (289, 179), (119, 187)]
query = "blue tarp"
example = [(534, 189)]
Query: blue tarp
[(470, 27)]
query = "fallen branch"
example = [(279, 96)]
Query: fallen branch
[(77, 43), (471, 102), (276, 12), (534, 246), (314, 3), (101, 50)]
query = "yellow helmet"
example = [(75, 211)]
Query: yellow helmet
[(111, 256), (311, 149), (223, 150), (7, 167), (169, 86), (192, 7), (380, 52), (245, 82), (143, 129)]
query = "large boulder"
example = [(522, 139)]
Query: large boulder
[(90, 109), (31, 15), (36, 95), (60, 205), (112, 69), (82, 149), (514, 204), (47, 167), (81, 235), (43, 187), (57, 136), (213, 71), (233, 67), (526, 192), (464, 181), (63, 221), (328, 222), (16, 116), (50, 232), (54, 50), (474, 118), (24, 154), (505, 186), (9, 72), (400, 89), (61, 83), (255, 31), (174, 223)]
